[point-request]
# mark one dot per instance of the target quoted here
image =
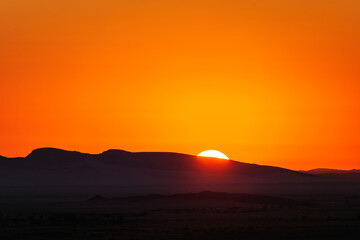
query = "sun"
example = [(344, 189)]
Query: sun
[(213, 153)]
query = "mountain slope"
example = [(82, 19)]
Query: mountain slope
[(345, 175), (329, 170), (144, 172)]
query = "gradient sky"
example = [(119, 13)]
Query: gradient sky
[(267, 82)]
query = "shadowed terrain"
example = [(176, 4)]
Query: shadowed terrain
[(115, 172), (58, 194), (203, 215)]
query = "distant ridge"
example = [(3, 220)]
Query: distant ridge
[(352, 175), (57, 171), (149, 160), (207, 195), (329, 170), (54, 153)]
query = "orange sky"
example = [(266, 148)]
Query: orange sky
[(267, 82)]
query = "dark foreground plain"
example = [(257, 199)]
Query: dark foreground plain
[(51, 195), (205, 215)]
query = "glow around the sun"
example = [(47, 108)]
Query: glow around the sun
[(213, 153)]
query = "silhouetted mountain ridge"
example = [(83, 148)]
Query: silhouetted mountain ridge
[(145, 172), (152, 160), (352, 175), (330, 170), (147, 160), (55, 153)]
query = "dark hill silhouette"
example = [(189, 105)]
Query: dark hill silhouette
[(329, 170), (52, 158), (55, 154), (206, 195), (223, 196), (345, 175), (56, 171)]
